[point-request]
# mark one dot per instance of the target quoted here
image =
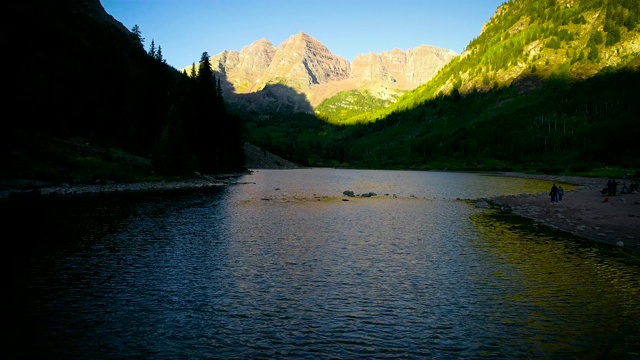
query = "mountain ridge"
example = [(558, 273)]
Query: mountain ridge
[(307, 66)]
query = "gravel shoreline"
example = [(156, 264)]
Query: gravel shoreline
[(73, 189), (255, 157), (583, 212)]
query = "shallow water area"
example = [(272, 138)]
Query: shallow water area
[(282, 266)]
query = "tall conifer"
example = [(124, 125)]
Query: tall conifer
[(138, 35), (152, 49)]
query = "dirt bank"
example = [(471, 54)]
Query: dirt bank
[(257, 158), (71, 189), (583, 211)]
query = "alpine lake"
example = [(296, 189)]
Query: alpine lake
[(283, 265)]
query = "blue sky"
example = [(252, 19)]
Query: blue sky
[(186, 28)]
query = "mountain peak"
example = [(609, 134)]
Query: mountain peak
[(262, 42), (260, 46), (302, 39), (305, 61), (304, 64), (302, 35)]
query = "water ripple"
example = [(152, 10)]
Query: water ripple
[(229, 275)]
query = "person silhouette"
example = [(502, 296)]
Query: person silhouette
[(554, 193), (560, 193)]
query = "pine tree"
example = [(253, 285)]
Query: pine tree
[(596, 38), (159, 55), (594, 54), (219, 90), (203, 132), (205, 72), (137, 34), (173, 154), (152, 49)]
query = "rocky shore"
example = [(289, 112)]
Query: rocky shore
[(256, 158), (583, 211), (73, 189)]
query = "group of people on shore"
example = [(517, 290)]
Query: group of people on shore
[(557, 192), (611, 189)]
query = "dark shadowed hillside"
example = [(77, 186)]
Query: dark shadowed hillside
[(257, 158), (89, 90)]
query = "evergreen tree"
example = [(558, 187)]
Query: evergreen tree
[(202, 130), (173, 154), (206, 78), (613, 36), (594, 54), (219, 90), (596, 38), (137, 34), (216, 136), (152, 49), (159, 55)]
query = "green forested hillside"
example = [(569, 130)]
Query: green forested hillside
[(548, 85), (546, 39), (350, 104)]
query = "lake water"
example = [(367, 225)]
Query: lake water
[(282, 267)]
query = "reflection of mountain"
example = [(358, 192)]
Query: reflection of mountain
[(305, 65)]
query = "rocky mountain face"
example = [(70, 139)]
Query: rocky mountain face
[(301, 62), (244, 69), (263, 77), (405, 71)]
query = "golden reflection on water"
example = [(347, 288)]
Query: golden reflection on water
[(559, 274)]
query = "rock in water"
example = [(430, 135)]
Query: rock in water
[(482, 205)]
